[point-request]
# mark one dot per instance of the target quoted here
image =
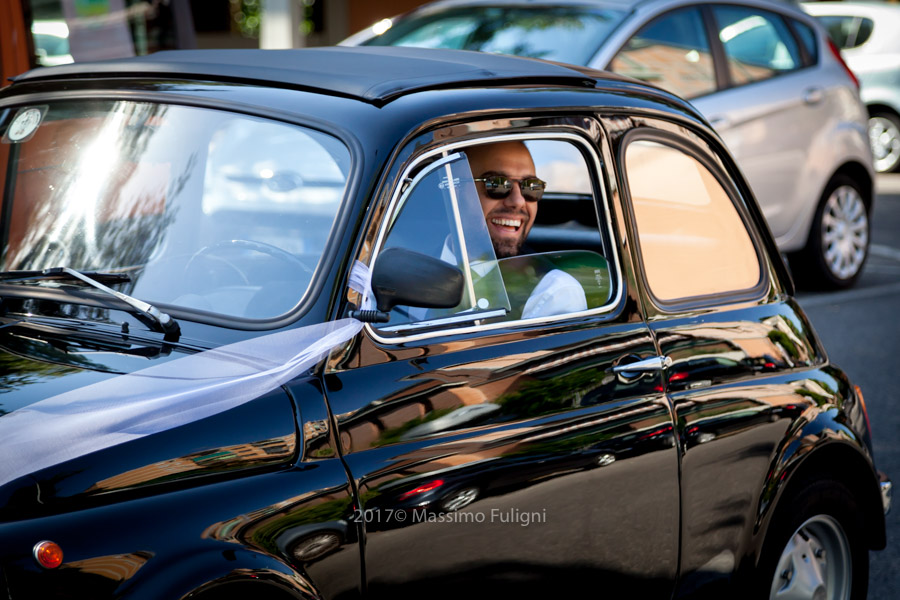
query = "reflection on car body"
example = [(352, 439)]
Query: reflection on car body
[(371, 391)]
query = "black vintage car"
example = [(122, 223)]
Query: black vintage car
[(388, 322)]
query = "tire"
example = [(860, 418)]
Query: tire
[(814, 548), (838, 243), (884, 137)]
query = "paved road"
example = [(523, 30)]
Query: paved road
[(861, 332)]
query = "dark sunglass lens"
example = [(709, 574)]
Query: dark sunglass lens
[(532, 189), (497, 186)]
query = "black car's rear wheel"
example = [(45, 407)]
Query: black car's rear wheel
[(814, 549)]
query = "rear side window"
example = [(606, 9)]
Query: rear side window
[(671, 52), (808, 39), (692, 240), (757, 43)]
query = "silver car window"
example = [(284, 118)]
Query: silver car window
[(758, 45), (522, 31), (808, 38), (671, 52)]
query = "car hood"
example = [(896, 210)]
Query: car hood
[(37, 364)]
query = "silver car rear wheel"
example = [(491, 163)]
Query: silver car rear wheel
[(838, 243), (884, 137), (815, 564), (845, 232)]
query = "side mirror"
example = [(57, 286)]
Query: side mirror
[(404, 277)]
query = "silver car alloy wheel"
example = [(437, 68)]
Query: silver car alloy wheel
[(884, 136), (815, 564), (845, 232)]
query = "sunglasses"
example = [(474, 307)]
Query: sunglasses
[(500, 186)]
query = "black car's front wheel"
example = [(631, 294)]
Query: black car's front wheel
[(815, 549), (838, 243)]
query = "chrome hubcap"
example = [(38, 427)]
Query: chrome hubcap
[(815, 564), (460, 499), (845, 232), (885, 140)]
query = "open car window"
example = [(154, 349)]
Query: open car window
[(440, 216), (204, 210), (563, 268)]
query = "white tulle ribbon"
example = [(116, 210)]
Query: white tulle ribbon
[(165, 396)]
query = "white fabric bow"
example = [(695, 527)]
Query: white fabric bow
[(165, 396)]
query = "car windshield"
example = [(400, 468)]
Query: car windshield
[(202, 209), (571, 34)]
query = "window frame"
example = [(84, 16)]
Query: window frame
[(754, 293), (595, 166)]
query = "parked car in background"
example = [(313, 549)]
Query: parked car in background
[(265, 334), (868, 34), (764, 73)]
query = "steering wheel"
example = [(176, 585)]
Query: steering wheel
[(208, 252)]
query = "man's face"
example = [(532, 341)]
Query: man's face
[(508, 219)]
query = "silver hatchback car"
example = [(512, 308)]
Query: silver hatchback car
[(867, 35), (764, 73)]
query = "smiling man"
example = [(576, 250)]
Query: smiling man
[(509, 191)]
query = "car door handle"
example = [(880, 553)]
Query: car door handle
[(813, 95), (656, 363)]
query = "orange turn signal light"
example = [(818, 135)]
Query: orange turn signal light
[(862, 402), (48, 554)]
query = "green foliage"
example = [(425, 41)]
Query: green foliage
[(248, 15)]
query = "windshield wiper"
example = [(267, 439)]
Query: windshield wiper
[(58, 273), (166, 324)]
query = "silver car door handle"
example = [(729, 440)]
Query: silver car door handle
[(813, 95), (656, 363)]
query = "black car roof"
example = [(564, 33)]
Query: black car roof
[(376, 75)]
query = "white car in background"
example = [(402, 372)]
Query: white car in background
[(764, 73), (869, 36), (51, 43)]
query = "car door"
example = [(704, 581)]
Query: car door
[(736, 351), (496, 451)]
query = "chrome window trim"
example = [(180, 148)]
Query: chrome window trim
[(616, 268)]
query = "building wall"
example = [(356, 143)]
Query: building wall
[(363, 13)]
